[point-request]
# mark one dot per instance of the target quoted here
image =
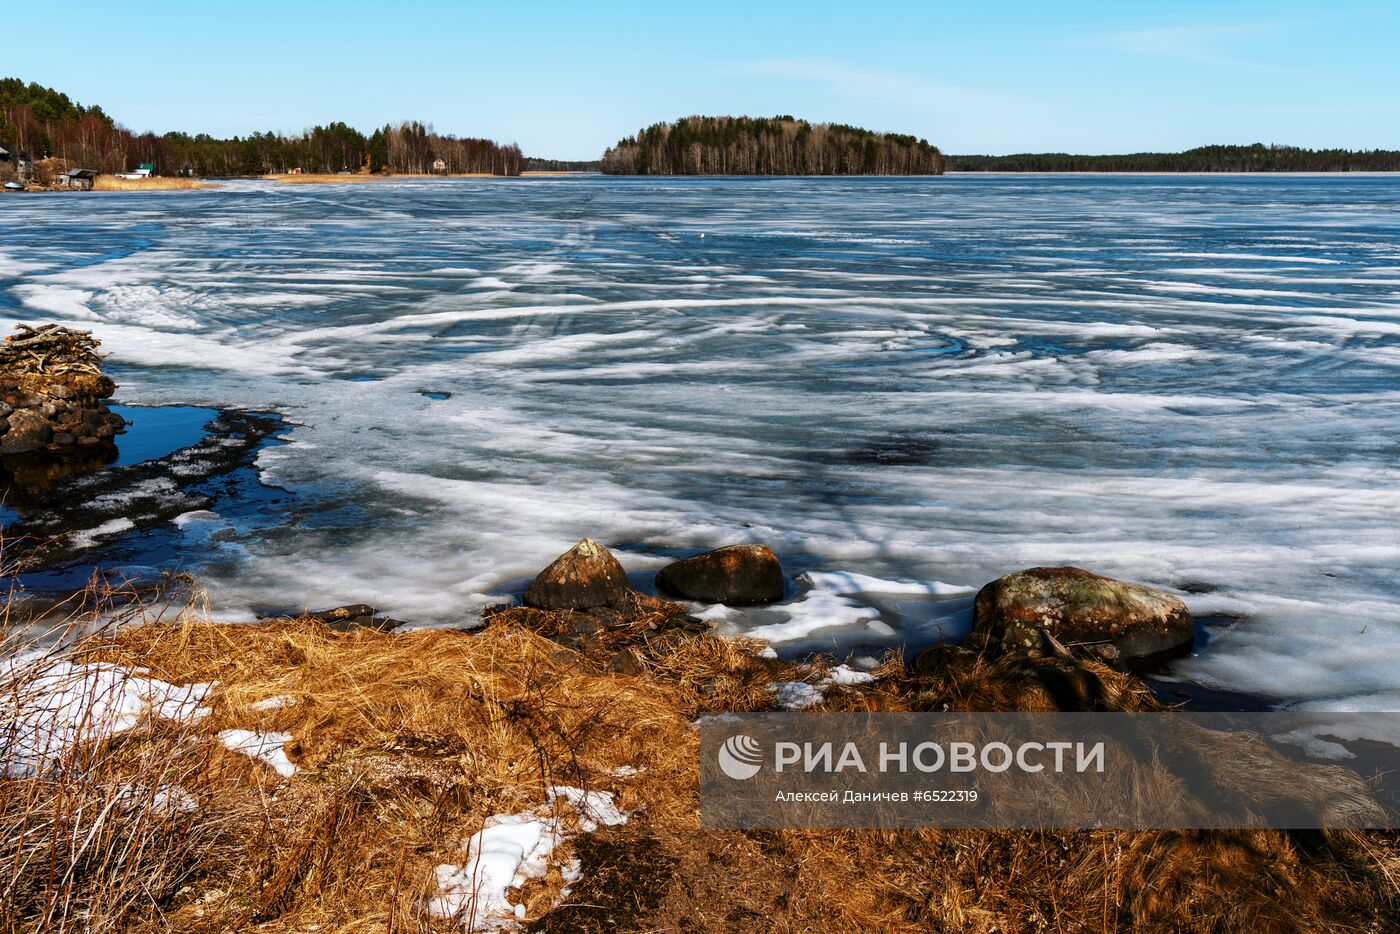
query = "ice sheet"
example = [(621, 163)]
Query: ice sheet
[(1188, 382)]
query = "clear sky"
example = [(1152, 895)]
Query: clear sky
[(565, 79)]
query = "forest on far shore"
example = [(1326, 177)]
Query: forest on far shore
[(1255, 158), (46, 123)]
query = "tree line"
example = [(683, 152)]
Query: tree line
[(536, 164), (47, 123), (768, 146), (1255, 158)]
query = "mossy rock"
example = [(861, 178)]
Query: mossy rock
[(1079, 607), (585, 576)]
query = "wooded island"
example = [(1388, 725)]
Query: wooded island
[(774, 146)]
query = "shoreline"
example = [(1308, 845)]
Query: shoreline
[(317, 771), (322, 179)]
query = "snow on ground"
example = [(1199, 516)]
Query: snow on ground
[(48, 707), (795, 695), (165, 798), (266, 747), (846, 676), (274, 703), (593, 807), (508, 852), (799, 695)]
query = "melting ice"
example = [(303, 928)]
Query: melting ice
[(1186, 381)]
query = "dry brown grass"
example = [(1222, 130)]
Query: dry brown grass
[(155, 183), (406, 742), (330, 179)]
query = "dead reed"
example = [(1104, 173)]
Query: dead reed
[(308, 178), (405, 743), (153, 183)]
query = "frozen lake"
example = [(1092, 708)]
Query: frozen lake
[(905, 386)]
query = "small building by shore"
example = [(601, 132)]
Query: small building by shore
[(15, 164), (76, 179)]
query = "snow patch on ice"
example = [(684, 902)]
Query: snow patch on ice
[(1309, 736), (851, 582), (817, 610), (88, 537), (843, 600)]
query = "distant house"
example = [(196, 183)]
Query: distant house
[(439, 165), (144, 170), (78, 179)]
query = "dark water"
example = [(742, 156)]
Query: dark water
[(128, 519), (156, 431)]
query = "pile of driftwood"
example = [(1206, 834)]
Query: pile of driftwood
[(51, 394), (50, 350)]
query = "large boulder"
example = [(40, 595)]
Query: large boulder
[(736, 575), (1079, 607), (28, 431), (584, 577)]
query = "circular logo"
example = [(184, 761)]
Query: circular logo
[(740, 757)]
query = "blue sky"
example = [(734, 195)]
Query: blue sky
[(566, 79)]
